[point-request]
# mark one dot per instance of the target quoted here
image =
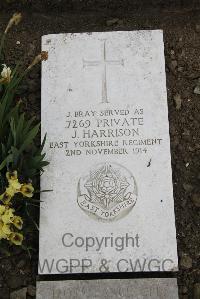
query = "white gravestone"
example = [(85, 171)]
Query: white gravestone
[(151, 288), (104, 108)]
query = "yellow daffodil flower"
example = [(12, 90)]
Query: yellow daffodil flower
[(16, 238), (13, 180), (14, 186), (6, 229), (8, 215), (10, 191), (6, 198), (7, 223), (11, 175), (5, 74), (17, 222), (2, 233), (27, 190), (2, 209)]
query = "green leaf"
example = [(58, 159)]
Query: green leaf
[(20, 128), (43, 142), (13, 131), (28, 125), (6, 161), (30, 136)]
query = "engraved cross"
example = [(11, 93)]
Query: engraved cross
[(103, 62)]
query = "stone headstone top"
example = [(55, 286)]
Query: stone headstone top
[(151, 288), (104, 108)]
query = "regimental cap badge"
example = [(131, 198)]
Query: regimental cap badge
[(108, 192)]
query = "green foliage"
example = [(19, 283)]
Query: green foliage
[(21, 160), (17, 133)]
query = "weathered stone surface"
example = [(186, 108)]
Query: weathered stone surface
[(31, 290), (104, 108), (152, 288), (19, 294), (196, 291)]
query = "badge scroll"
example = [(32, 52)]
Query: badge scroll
[(108, 192)]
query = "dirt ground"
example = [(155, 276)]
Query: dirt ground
[(181, 28)]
